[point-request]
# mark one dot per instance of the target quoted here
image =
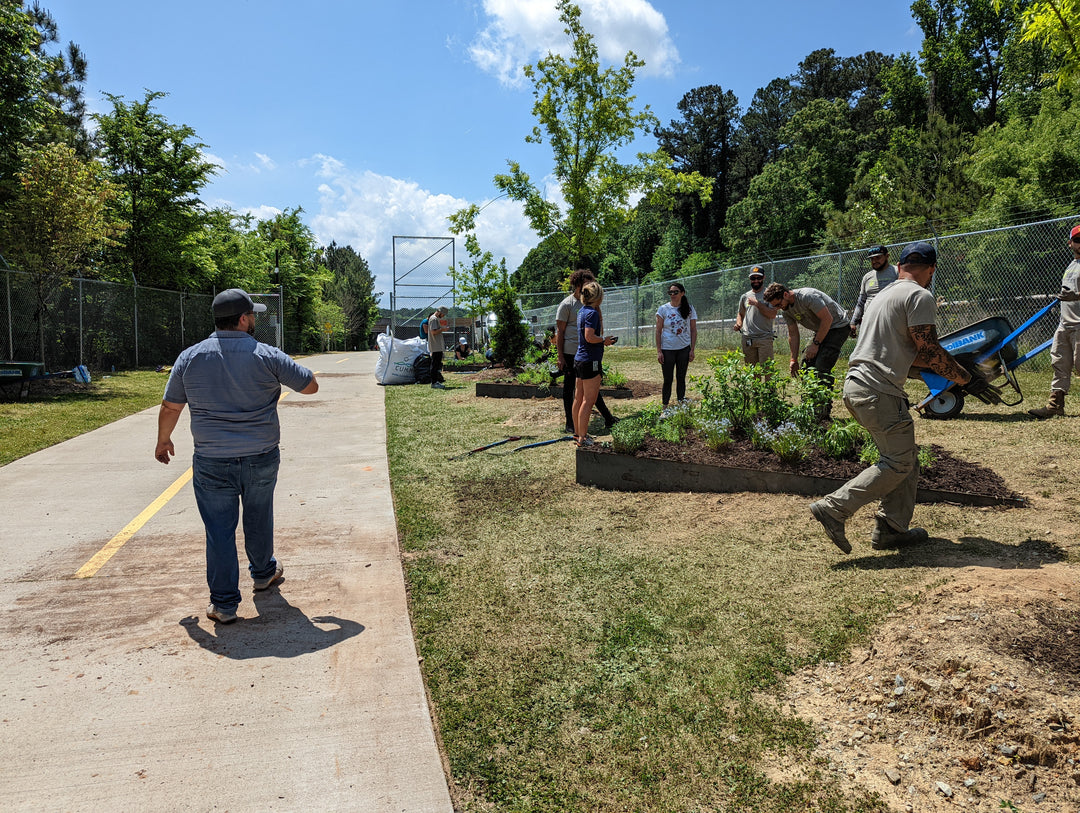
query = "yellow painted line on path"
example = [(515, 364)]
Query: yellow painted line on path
[(339, 362), (106, 553)]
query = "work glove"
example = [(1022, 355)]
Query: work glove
[(976, 385), (1068, 296)]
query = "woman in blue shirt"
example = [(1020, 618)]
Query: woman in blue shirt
[(588, 361)]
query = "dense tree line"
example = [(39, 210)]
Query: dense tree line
[(122, 204), (977, 129)]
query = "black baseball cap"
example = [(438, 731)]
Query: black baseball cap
[(756, 272), (920, 252), (875, 250), (233, 302)]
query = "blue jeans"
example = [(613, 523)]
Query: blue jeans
[(221, 484)]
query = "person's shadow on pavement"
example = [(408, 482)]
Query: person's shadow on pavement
[(279, 631)]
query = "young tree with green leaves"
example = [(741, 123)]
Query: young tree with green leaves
[(586, 115), (57, 217), (1055, 25), (352, 289), (21, 108), (510, 336), (160, 170), (302, 277)]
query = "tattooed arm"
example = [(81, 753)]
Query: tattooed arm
[(931, 354)]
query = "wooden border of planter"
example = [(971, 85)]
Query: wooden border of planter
[(503, 389), (621, 472)]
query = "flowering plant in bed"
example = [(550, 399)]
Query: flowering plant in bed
[(789, 417)]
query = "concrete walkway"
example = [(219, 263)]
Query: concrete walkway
[(118, 694)]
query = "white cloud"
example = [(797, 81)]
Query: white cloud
[(266, 161), (366, 210), (520, 31)]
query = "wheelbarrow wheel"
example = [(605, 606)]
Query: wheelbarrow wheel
[(946, 405)]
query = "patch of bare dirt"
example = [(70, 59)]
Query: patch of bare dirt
[(965, 700)]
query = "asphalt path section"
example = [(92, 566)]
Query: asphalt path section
[(118, 694)]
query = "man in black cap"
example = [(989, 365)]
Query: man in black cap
[(232, 384), (899, 333), (881, 273), (755, 321)]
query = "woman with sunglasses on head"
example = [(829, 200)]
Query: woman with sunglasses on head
[(676, 337), (588, 361)]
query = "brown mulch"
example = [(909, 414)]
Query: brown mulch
[(638, 389), (946, 473)]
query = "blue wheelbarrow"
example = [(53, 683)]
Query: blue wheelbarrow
[(988, 347)]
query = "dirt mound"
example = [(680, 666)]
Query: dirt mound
[(966, 699)]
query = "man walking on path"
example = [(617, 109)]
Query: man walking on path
[(755, 321), (232, 384), (566, 345), (881, 273), (1065, 351), (899, 333), (815, 311)]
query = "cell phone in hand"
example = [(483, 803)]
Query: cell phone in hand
[(614, 339)]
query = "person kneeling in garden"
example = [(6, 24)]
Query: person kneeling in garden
[(898, 332)]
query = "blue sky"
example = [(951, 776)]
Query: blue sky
[(382, 118)]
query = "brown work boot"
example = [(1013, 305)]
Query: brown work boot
[(885, 538), (1055, 406)]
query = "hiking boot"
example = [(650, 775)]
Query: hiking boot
[(834, 528), (884, 537), (215, 613), (1055, 406), (262, 584)]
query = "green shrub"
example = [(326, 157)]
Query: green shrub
[(844, 438), (613, 378), (628, 435)]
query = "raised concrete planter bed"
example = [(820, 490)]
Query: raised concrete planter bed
[(500, 389), (619, 472)]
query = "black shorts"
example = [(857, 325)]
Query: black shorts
[(588, 369)]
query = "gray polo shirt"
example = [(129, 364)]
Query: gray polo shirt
[(808, 301), (231, 383)]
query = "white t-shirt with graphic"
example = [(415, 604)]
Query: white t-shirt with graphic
[(676, 334)]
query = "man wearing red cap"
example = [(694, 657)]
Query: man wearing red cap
[(1065, 351)]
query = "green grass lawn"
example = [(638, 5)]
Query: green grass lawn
[(58, 410)]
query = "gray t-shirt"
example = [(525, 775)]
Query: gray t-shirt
[(808, 301), (1070, 311), (872, 282), (231, 383), (884, 353), (567, 312), (755, 324)]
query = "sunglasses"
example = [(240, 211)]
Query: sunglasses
[(673, 292)]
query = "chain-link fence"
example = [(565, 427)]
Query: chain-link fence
[(108, 326), (1009, 272), (422, 280)]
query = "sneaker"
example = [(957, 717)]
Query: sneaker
[(885, 538), (585, 441), (221, 616), (612, 422), (264, 583), (438, 385), (833, 527), (569, 428)]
